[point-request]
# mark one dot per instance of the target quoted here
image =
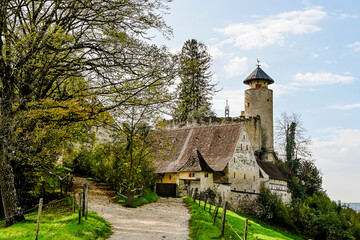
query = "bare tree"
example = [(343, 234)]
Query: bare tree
[(304, 177), (290, 139)]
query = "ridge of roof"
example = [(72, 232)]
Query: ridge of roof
[(203, 126), (195, 163)]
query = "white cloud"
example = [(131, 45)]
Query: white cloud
[(237, 66), (346, 15), (330, 62), (355, 46), (175, 50), (274, 29), (215, 51), (346, 107), (315, 55), (321, 78), (338, 160), (284, 89)]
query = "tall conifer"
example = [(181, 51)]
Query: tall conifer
[(195, 90)]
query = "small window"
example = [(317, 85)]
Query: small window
[(244, 176), (244, 190), (248, 104), (234, 174), (190, 174), (247, 148), (258, 86), (244, 136), (241, 146), (206, 174), (254, 178), (169, 177)]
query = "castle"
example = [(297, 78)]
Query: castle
[(233, 157)]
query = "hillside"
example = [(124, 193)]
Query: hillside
[(201, 225)]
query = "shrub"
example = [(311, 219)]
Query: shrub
[(272, 209)]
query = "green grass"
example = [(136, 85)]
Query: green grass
[(58, 223), (147, 198), (201, 227)]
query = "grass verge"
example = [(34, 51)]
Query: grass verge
[(147, 198), (201, 225), (57, 222)]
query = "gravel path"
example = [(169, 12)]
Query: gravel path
[(164, 219)]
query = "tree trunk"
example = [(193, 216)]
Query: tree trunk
[(1, 207), (10, 199), (130, 198)]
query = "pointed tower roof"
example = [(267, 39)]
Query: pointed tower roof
[(195, 163), (258, 74)]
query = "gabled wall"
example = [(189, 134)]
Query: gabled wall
[(243, 170)]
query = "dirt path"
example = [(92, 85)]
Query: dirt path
[(164, 219)]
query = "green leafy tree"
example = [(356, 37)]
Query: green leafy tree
[(47, 45), (195, 89)]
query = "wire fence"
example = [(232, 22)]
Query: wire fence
[(238, 230), (234, 230), (82, 207), (36, 207)]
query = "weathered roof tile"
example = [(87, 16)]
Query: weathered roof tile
[(216, 144), (195, 163), (271, 170)]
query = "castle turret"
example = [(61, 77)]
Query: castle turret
[(259, 101)]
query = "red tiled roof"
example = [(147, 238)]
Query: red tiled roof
[(215, 142)]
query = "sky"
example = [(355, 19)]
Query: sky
[(312, 51)]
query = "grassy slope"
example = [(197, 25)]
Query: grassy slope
[(201, 227), (148, 197), (57, 223)]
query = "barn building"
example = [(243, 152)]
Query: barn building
[(233, 157)]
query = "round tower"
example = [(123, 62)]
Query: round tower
[(259, 101)]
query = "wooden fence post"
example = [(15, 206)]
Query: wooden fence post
[(216, 212), (223, 219), (86, 200), (38, 218), (205, 202), (245, 229), (67, 185), (80, 203), (210, 208), (83, 202), (73, 206), (195, 194), (61, 189)]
